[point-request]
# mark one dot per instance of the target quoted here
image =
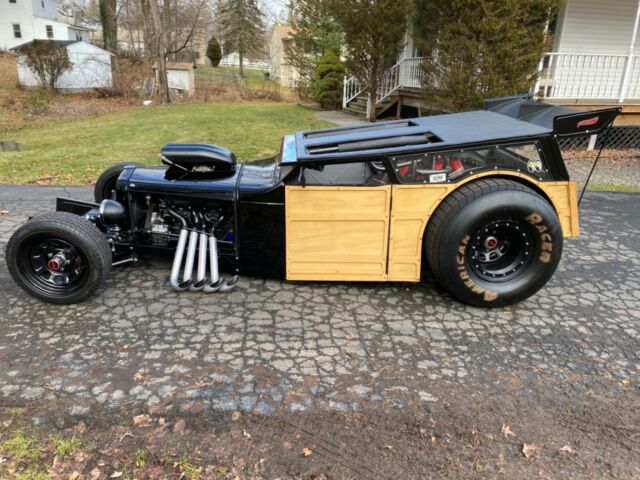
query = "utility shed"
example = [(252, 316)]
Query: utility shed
[(90, 67)]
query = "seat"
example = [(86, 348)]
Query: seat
[(198, 157)]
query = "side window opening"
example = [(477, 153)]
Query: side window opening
[(345, 174), (452, 165)]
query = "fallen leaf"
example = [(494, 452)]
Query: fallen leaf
[(306, 452), (246, 434), (506, 431), (4, 212), (116, 475), (567, 448), (389, 447), (142, 420), (75, 475), (235, 416), (531, 450), (95, 474), (180, 426), (351, 337)]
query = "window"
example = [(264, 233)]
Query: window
[(359, 173), (12, 1), (49, 31), (16, 31), (451, 166), (42, 3)]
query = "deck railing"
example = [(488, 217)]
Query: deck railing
[(406, 73), (579, 76)]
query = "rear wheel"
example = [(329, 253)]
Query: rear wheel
[(59, 258), (106, 184), (493, 242)]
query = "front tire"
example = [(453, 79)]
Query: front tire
[(59, 258), (493, 242), (105, 186)]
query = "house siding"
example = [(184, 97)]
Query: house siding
[(91, 68), (33, 20), (594, 26)]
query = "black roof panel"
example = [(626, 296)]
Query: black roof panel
[(402, 136)]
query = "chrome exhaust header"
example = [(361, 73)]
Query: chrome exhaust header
[(207, 246)]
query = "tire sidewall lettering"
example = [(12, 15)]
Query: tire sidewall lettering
[(466, 276), (546, 239)]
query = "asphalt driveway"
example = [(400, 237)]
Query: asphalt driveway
[(273, 346)]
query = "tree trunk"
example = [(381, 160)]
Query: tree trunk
[(150, 8), (371, 101), (109, 21)]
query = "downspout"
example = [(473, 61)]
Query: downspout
[(627, 68)]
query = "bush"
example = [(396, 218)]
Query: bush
[(47, 60), (214, 52), (329, 77)]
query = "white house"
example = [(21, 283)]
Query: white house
[(594, 61), (280, 70), (91, 67), (25, 20)]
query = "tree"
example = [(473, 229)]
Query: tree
[(314, 32), (169, 32), (242, 32), (476, 50), (214, 52), (373, 34), (155, 41), (328, 80), (109, 20), (48, 60)]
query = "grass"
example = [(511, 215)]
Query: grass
[(64, 447), (24, 453), (21, 447), (614, 188), (75, 152)]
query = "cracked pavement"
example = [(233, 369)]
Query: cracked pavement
[(273, 346)]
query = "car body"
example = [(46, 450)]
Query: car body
[(357, 203)]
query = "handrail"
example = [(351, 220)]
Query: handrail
[(407, 72), (596, 76)]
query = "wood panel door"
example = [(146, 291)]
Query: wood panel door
[(337, 232)]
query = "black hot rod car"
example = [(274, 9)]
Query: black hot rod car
[(484, 197)]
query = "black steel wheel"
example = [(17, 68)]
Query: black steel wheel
[(59, 257), (493, 242), (105, 186)]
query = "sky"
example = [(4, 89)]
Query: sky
[(274, 10)]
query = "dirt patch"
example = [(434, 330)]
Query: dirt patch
[(505, 431)]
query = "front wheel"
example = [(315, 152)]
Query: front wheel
[(58, 258), (105, 186), (493, 242)]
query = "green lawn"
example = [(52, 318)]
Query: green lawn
[(75, 152)]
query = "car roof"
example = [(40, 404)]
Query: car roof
[(397, 137)]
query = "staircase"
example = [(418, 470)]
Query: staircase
[(407, 73), (358, 106)]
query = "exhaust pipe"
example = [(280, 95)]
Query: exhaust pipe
[(177, 259), (228, 286), (201, 278), (187, 276), (215, 283), (198, 240)]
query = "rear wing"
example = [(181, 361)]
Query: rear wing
[(564, 122)]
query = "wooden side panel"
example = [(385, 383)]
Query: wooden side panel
[(411, 208), (413, 205), (337, 233), (565, 200)]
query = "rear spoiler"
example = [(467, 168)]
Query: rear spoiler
[(564, 122)]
